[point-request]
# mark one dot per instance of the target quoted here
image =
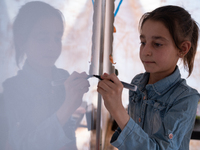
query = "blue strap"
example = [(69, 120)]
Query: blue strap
[(116, 11)]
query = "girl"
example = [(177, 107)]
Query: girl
[(39, 114), (162, 110)]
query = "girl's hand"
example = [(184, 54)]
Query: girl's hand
[(76, 86), (111, 90)]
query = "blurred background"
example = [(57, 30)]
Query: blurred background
[(77, 43)]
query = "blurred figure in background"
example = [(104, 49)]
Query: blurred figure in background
[(39, 113)]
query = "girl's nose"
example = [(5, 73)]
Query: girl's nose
[(147, 50)]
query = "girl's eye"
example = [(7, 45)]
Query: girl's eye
[(157, 44), (142, 43)]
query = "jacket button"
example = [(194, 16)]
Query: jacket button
[(170, 136), (139, 119)]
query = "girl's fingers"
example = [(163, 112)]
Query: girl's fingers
[(101, 91), (113, 80), (75, 77), (83, 75), (72, 77), (78, 85), (104, 85), (110, 87)]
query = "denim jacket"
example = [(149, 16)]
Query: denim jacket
[(162, 115)]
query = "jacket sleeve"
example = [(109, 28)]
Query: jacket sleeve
[(176, 125)]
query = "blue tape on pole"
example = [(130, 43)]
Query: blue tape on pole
[(116, 11)]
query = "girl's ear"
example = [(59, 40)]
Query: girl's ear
[(185, 47)]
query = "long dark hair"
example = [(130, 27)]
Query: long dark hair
[(181, 27), (26, 18)]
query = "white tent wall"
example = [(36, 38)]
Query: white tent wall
[(77, 43), (78, 26)]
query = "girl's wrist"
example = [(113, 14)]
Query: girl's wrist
[(121, 117), (64, 113)]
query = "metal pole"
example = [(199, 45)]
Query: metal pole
[(102, 39), (97, 58)]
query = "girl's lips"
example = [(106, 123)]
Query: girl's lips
[(148, 62)]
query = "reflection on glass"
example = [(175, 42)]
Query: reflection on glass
[(41, 115)]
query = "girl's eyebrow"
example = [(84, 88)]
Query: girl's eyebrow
[(142, 36), (159, 38), (155, 38)]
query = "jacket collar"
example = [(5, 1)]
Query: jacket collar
[(161, 86)]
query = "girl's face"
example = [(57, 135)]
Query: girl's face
[(43, 46), (158, 52)]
